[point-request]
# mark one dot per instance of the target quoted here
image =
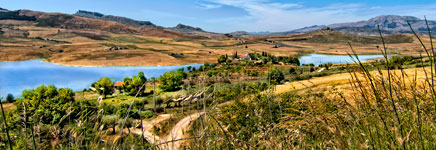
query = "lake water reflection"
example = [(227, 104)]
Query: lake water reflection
[(20, 75), (318, 59)]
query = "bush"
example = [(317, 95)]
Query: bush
[(303, 77), (121, 112), (292, 70), (104, 86), (133, 85), (139, 103), (276, 76), (108, 109), (10, 98), (47, 104), (110, 121), (147, 114), (253, 73), (222, 59), (312, 69), (171, 81)]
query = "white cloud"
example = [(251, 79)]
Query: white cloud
[(272, 16), (285, 6), (209, 6)]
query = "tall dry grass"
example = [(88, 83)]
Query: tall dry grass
[(393, 109)]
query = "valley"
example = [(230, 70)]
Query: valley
[(82, 41), (90, 80)]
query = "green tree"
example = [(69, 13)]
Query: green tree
[(122, 110), (108, 109), (135, 87), (10, 98), (159, 101), (104, 86), (180, 73), (127, 82), (312, 69), (327, 66), (235, 55), (222, 59), (276, 76), (189, 68), (172, 80), (292, 71), (47, 104), (132, 85), (142, 77)]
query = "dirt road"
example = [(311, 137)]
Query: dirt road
[(178, 131), (148, 126)]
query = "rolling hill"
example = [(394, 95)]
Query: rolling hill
[(389, 24), (98, 41), (123, 20), (144, 25), (66, 21)]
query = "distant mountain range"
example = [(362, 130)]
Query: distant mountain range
[(97, 21), (124, 20), (389, 24), (119, 19)]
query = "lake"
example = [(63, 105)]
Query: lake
[(20, 75), (318, 59)]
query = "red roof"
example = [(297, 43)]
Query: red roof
[(119, 83), (245, 56)]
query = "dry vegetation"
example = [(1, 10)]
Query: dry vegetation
[(23, 40), (341, 82), (362, 109)]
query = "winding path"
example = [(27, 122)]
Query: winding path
[(178, 131)]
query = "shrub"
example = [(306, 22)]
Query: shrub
[(292, 70), (133, 85), (104, 86), (171, 81), (10, 98), (47, 104), (276, 76), (147, 114)]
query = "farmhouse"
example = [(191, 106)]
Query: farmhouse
[(118, 84)]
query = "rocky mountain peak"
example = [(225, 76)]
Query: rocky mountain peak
[(182, 26), (90, 14), (123, 20)]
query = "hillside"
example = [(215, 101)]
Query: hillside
[(389, 24), (328, 36), (124, 20), (144, 25), (84, 41), (194, 31), (96, 81), (74, 22), (186, 29)]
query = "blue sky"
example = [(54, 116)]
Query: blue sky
[(237, 15)]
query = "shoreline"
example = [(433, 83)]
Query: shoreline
[(67, 65), (187, 64)]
